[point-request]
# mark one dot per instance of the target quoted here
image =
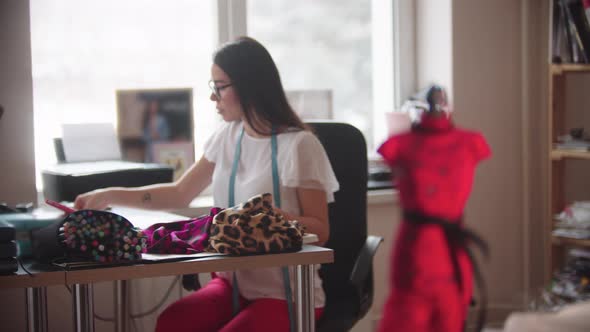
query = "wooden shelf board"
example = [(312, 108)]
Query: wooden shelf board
[(557, 154), (570, 67), (558, 240)]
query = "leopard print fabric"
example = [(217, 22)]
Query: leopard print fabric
[(253, 227)]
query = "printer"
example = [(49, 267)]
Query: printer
[(80, 169), (63, 182)]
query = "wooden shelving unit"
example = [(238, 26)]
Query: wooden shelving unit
[(557, 154), (570, 68), (558, 240), (557, 159)]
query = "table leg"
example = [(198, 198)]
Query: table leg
[(304, 298), (121, 305), (36, 309), (83, 304)]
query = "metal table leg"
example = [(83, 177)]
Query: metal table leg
[(121, 305), (83, 304), (304, 298), (37, 309)]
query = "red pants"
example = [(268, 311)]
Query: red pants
[(424, 295), (210, 309)]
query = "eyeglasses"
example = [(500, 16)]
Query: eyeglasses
[(216, 89)]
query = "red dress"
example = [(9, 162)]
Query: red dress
[(435, 164)]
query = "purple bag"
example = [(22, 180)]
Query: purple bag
[(180, 237)]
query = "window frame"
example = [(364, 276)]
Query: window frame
[(232, 22)]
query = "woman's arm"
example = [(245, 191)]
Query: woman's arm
[(314, 213), (157, 196)]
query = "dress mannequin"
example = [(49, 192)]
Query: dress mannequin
[(431, 272)]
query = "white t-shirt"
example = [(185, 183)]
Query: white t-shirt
[(302, 163)]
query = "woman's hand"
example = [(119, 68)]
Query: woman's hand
[(95, 200)]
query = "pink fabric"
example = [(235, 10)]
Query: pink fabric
[(180, 237), (210, 309)]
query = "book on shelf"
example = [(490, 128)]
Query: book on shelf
[(577, 234), (576, 9), (573, 146), (570, 31), (560, 51), (577, 36)]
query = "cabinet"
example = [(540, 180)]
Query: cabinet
[(556, 245)]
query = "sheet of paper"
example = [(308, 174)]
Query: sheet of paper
[(143, 219), (310, 238), (104, 166), (172, 257), (90, 142)]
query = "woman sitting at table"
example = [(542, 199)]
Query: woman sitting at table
[(249, 96)]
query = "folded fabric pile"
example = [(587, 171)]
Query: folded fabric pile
[(180, 237), (572, 283), (254, 227), (569, 285), (574, 221)]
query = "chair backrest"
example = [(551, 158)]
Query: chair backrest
[(347, 151)]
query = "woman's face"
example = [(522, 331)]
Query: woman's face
[(226, 101)]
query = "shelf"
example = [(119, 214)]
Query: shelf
[(570, 68), (558, 240), (563, 154)]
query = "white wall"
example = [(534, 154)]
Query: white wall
[(434, 43), (499, 80), (17, 163), (486, 72)]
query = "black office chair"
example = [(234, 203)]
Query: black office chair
[(348, 282)]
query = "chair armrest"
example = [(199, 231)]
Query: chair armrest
[(363, 263)]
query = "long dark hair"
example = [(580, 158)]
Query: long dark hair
[(256, 80)]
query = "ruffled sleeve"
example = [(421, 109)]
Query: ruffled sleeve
[(481, 149), (390, 150), (215, 143), (308, 166)]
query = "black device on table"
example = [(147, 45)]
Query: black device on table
[(379, 178), (63, 182), (8, 262)]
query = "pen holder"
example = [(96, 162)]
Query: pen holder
[(101, 236)]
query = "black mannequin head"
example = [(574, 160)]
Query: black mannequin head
[(437, 100)]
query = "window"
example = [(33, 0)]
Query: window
[(337, 45), (83, 51)]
